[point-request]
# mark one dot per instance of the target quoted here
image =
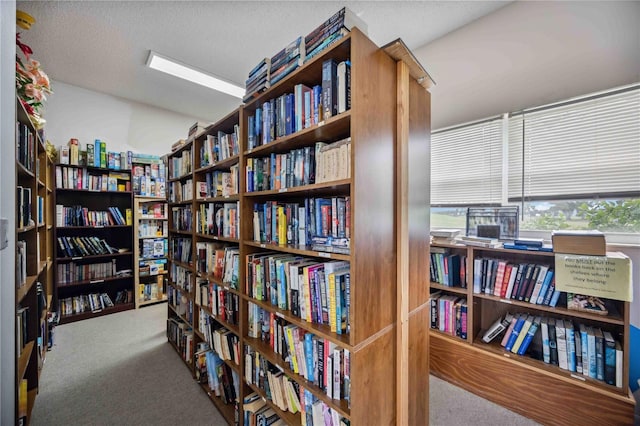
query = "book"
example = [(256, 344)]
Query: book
[(587, 242), (609, 358), (571, 345), (329, 89), (561, 343), (544, 331), (515, 332), (583, 303), (522, 334), (507, 334), (553, 342), (533, 329), (599, 349), (498, 327)]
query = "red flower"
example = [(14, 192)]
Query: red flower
[(27, 107), (26, 50)]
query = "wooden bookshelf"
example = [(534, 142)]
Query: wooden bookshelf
[(33, 236), (151, 249), (492, 372), (390, 112), (74, 289)]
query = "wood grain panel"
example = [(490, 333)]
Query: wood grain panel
[(539, 396), (373, 398), (419, 193), (419, 365), (373, 129)]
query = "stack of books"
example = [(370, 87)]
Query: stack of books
[(480, 242), (332, 30), (259, 79), (287, 60), (444, 236)]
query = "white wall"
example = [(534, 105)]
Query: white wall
[(7, 210), (528, 54), (74, 112)]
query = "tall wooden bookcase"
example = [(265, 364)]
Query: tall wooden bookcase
[(389, 127), (85, 269), (523, 383), (34, 270)]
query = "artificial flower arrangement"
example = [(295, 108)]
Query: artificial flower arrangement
[(32, 84)]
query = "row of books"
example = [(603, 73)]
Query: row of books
[(313, 291), (153, 228), (258, 80), (447, 269), (149, 267), (182, 278), (92, 302), (78, 178), (180, 164), (94, 155), (146, 186), (180, 303), (584, 349), (219, 219), (222, 303), (181, 335), (219, 147), (281, 390), (526, 282), (224, 342), (73, 272), (449, 314), (23, 215), (323, 223), (219, 183), (153, 210), (40, 210), (82, 216), (182, 218), (150, 291), (25, 142), (181, 249), (83, 246), (223, 381), (305, 107), (154, 248), (180, 191), (219, 261), (303, 166)]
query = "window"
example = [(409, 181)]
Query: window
[(574, 164), (466, 165)]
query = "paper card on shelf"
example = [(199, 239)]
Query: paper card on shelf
[(601, 276)]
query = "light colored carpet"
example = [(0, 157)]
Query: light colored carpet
[(120, 370)]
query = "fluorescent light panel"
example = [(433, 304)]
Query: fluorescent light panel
[(171, 67)]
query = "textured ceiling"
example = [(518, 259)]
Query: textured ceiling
[(103, 45)]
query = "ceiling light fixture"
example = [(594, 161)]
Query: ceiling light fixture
[(176, 69)]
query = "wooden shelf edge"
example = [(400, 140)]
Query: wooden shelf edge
[(305, 188), (23, 361), (222, 164), (296, 250), (66, 319), (96, 281), (458, 290), (400, 52), (231, 327), (227, 410)]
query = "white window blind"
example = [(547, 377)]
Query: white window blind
[(587, 149), (466, 165)]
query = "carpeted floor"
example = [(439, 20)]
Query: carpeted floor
[(120, 370)]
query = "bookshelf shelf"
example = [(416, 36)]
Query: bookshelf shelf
[(152, 301), (456, 290), (370, 132), (63, 228), (26, 229), (92, 257), (180, 203), (23, 360), (613, 319), (91, 282), (65, 319), (491, 361), (23, 171), (92, 191), (300, 251), (227, 410), (327, 129), (317, 189)]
